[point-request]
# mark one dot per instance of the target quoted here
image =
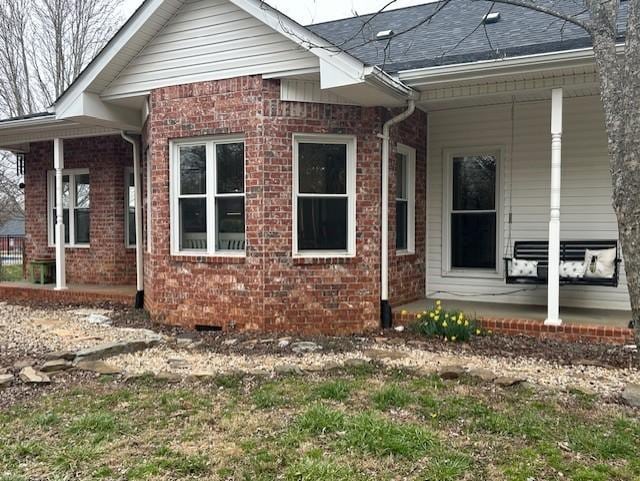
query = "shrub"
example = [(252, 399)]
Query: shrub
[(448, 325)]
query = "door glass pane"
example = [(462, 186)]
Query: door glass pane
[(193, 170), (82, 191), (473, 240), (401, 177), (230, 168), (193, 224), (230, 219), (322, 224), (322, 168), (474, 182), (401, 224), (82, 226)]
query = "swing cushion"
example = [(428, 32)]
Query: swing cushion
[(523, 268), (572, 269), (600, 264)]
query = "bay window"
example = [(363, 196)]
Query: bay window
[(207, 196), (324, 195), (76, 203)]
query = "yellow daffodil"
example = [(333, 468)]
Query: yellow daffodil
[(478, 331), (453, 338), (424, 313), (444, 324), (446, 316), (437, 318), (418, 316), (459, 322), (404, 312), (453, 318), (431, 314), (490, 332), (438, 302), (466, 323), (433, 415)]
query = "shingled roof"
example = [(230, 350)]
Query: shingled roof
[(456, 34)]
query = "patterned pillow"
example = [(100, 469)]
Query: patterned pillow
[(600, 264), (572, 269), (523, 268)]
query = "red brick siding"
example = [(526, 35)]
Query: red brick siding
[(268, 289), (106, 261), (407, 272)]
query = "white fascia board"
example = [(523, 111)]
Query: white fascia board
[(89, 108), (484, 69), (111, 50)]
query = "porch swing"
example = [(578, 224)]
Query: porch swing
[(582, 262)]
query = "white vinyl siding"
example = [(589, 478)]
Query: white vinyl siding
[(586, 212), (209, 40)]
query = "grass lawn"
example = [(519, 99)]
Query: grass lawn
[(353, 425), (11, 273)]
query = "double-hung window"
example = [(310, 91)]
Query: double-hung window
[(324, 200), (473, 214), (405, 199), (207, 197), (76, 203), (130, 208)]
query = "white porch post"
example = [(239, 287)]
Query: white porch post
[(58, 164), (553, 290)]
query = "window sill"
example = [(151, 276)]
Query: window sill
[(405, 253), (72, 246)]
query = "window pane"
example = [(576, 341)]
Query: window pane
[(82, 226), (474, 182), (66, 192), (230, 217), (193, 224), (131, 191), (473, 240), (402, 212), (230, 168), (322, 224), (82, 191), (322, 168), (401, 176), (193, 169), (132, 227)]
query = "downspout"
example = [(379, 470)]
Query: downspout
[(138, 209), (385, 307)]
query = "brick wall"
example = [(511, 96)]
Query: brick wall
[(106, 261), (269, 289)]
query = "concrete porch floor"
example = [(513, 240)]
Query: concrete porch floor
[(569, 315)]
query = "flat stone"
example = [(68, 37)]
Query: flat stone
[(288, 369), (56, 365), (178, 363), (508, 381), (451, 372), (5, 379), (30, 376), (22, 363), (481, 374), (66, 355), (98, 319), (99, 367), (230, 342), (631, 395), (330, 366), (380, 339), (169, 377), (355, 362), (203, 375), (268, 340), (86, 312), (284, 342), (305, 346), (109, 349), (396, 341), (381, 354)]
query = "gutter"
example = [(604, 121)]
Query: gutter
[(138, 209), (385, 307)]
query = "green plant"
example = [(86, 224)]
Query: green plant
[(450, 325)]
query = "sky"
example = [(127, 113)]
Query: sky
[(314, 11)]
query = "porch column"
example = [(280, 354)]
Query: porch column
[(553, 290), (58, 164)]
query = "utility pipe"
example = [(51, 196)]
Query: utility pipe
[(385, 307), (138, 209)]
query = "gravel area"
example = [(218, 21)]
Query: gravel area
[(32, 331)]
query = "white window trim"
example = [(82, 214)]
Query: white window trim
[(351, 142), (410, 154), (127, 242), (51, 204), (447, 201), (211, 195)]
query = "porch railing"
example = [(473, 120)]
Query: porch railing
[(11, 250)]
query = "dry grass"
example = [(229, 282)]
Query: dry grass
[(350, 426)]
